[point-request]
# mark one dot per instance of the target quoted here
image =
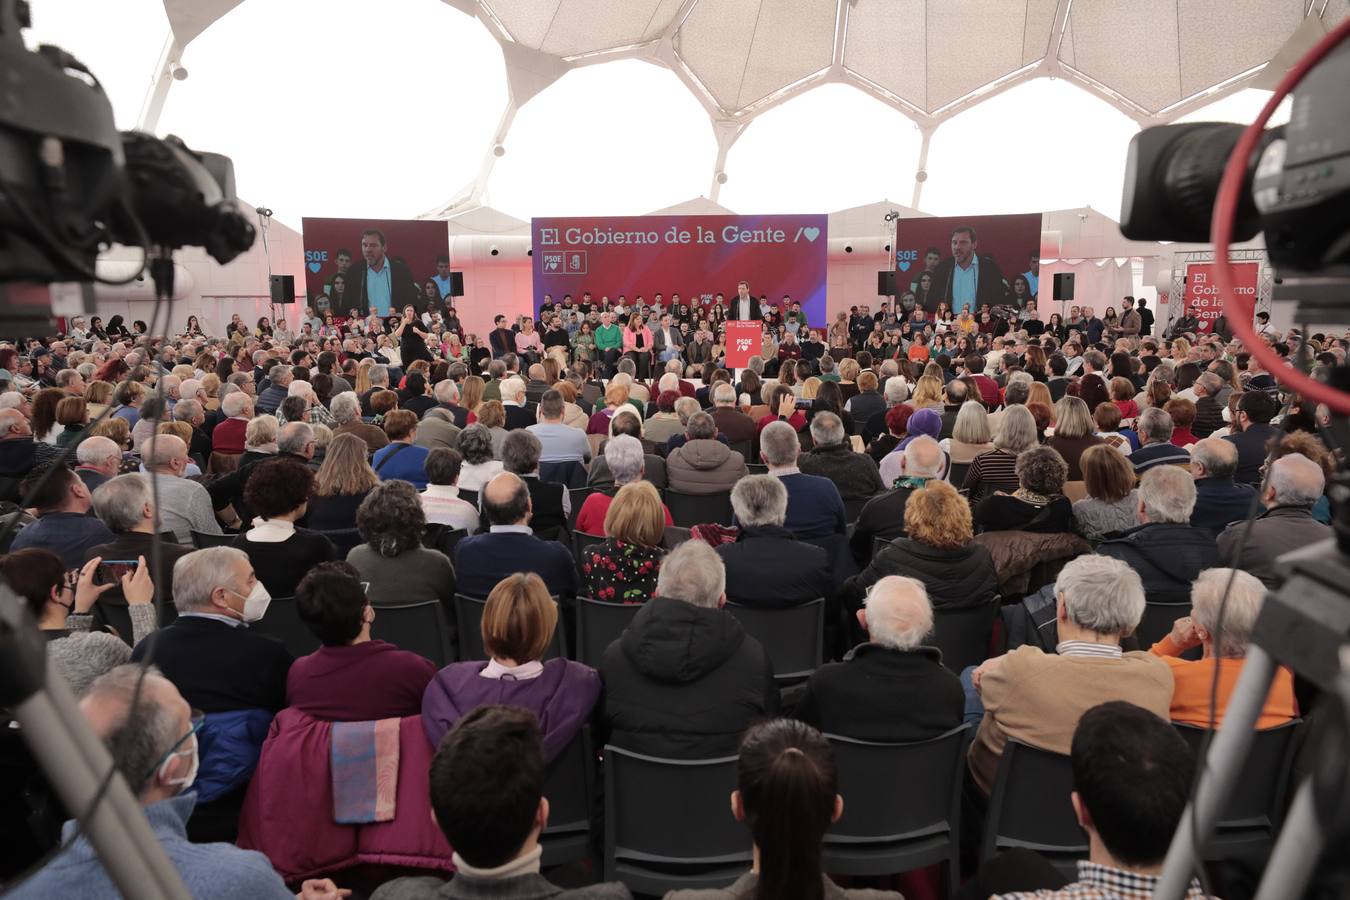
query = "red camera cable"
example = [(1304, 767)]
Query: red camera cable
[(1239, 309)]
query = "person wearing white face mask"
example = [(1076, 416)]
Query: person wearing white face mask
[(155, 748), (209, 652)]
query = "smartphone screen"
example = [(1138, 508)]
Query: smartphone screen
[(110, 571)]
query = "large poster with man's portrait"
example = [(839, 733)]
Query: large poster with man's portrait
[(354, 266), (966, 262)]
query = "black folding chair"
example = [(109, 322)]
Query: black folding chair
[(600, 624), (344, 539), (1157, 622), (755, 468), (569, 785), (793, 637), (853, 508), (743, 448), (201, 540), (694, 842), (577, 496), (580, 541), (674, 536), (904, 806), (469, 630), (956, 474), (421, 628), (282, 621), (1030, 808), (963, 634), (1253, 814), (571, 474), (443, 538), (689, 510)]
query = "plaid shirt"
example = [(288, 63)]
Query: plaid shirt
[(1098, 882)]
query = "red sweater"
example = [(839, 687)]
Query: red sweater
[(228, 436)]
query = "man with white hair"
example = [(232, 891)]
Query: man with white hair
[(71, 381), (1293, 485), (1037, 698), (209, 652), (685, 680), (518, 415), (19, 452), (346, 410), (1154, 428), (831, 456), (733, 423), (126, 505), (815, 509), (318, 414), (1219, 500), (892, 688), (280, 378), (446, 394), (100, 459), (894, 390), (884, 515), (1165, 549), (170, 385), (767, 566), (184, 506), (193, 414), (1241, 595), (228, 436)]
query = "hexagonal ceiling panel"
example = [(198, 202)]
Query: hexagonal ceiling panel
[(578, 27)]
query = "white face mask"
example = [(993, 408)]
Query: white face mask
[(255, 604), (183, 781)]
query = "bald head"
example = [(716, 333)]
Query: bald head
[(13, 426), (1214, 458), (506, 500), (167, 454), (897, 613), (923, 458), (1295, 480), (100, 453)]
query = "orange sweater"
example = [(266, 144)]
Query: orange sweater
[(1193, 679)]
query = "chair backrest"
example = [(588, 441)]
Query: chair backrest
[(1075, 490), (344, 539), (674, 536), (443, 538), (569, 785), (282, 621), (963, 634), (1264, 779), (421, 628), (591, 393), (222, 463), (743, 448), (1158, 620), (793, 637), (956, 474), (853, 508), (898, 793), (756, 468), (571, 474), (469, 630), (689, 510), (879, 544), (595, 440), (577, 497), (694, 832), (470, 497), (201, 540), (1030, 807), (580, 541), (599, 624)]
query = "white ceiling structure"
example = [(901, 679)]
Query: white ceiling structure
[(1153, 60)]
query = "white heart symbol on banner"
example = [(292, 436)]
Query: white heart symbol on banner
[(811, 233)]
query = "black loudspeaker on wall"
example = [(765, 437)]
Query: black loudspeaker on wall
[(456, 284), (886, 284), (283, 288), (1063, 285)]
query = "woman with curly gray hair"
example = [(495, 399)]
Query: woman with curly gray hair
[(399, 569), (1038, 504), (480, 462)]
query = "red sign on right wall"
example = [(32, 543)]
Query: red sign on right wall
[(1202, 289)]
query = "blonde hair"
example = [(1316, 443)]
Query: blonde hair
[(1039, 393), (211, 384), (809, 388), (972, 424), (849, 369), (636, 515), (363, 375), (115, 429), (471, 393), (927, 391), (519, 619), (177, 429), (98, 392), (75, 411), (345, 469), (616, 395), (1073, 419), (938, 516)]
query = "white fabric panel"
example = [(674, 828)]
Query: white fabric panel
[(971, 43), (661, 19), (1256, 29), (526, 20), (189, 18), (1096, 284), (1036, 35), (584, 26), (1131, 48), (715, 43), (792, 39), (885, 43)]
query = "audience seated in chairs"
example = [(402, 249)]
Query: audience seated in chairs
[(1074, 433), (351, 678), (767, 566), (280, 552), (480, 462), (441, 501), (703, 465), (518, 625), (482, 560), (653, 466), (550, 502), (815, 509), (343, 481), (346, 409), (402, 459), (126, 505), (625, 462), (1037, 698), (891, 688), (560, 442), (1219, 500), (487, 793), (1293, 485), (1166, 551), (624, 568), (997, 470), (1132, 777), (64, 525), (154, 745), (1154, 427), (1111, 503), (939, 551), (685, 679), (1038, 504), (1241, 595), (400, 571), (884, 515), (855, 475), (787, 794)]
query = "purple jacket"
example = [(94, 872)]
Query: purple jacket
[(561, 698)]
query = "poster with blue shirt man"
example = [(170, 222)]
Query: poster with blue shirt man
[(381, 283), (968, 279)]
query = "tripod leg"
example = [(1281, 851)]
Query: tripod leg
[(1218, 773), (1295, 856)]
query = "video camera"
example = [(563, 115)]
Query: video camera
[(71, 184)]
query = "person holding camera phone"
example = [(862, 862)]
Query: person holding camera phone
[(62, 600)]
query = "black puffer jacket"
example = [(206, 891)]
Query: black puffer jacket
[(1167, 556), (955, 579), (684, 682)]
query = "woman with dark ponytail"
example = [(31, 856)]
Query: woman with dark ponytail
[(787, 795)]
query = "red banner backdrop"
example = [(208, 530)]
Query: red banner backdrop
[(1202, 289), (414, 243), (743, 341)]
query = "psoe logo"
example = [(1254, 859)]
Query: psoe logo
[(315, 259), (906, 258)]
